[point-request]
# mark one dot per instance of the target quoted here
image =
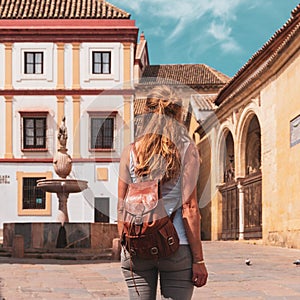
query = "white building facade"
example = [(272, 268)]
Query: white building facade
[(72, 62)]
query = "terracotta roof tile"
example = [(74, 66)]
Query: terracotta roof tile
[(204, 102), (187, 74), (139, 105), (60, 9)]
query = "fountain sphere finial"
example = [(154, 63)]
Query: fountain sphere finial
[(62, 134), (62, 161)]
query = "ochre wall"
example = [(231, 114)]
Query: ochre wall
[(281, 175)]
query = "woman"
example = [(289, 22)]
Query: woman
[(166, 152)]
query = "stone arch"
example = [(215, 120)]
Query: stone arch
[(249, 115), (249, 174), (225, 136), (228, 201)]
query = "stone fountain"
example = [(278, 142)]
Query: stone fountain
[(45, 237), (62, 186)]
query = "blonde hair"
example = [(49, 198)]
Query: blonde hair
[(159, 146)]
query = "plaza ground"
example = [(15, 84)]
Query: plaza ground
[(271, 275)]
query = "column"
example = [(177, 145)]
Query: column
[(76, 65), (127, 65), (60, 65), (127, 120), (8, 66), (9, 127), (241, 211), (76, 126)]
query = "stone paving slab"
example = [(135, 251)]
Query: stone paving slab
[(271, 275)]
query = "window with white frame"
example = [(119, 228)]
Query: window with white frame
[(101, 62), (33, 62), (102, 131), (34, 131)]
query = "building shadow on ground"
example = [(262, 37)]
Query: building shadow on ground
[(53, 261), (1, 285)]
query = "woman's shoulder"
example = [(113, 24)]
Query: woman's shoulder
[(191, 151), (126, 154)]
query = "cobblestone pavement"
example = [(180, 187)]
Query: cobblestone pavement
[(271, 275)]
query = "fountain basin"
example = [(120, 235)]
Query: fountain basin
[(62, 185)]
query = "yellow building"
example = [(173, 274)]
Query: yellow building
[(250, 146)]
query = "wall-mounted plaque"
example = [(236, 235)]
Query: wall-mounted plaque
[(295, 131), (4, 179)]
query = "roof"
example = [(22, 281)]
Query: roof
[(139, 106), (204, 102), (186, 74), (60, 9), (262, 59)]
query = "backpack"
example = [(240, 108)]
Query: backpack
[(148, 231)]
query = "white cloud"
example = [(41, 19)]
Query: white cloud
[(219, 31), (230, 46), (187, 14), (222, 34)]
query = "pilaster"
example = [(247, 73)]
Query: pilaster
[(8, 127), (76, 127), (76, 65), (127, 65), (127, 119), (60, 103), (60, 65), (8, 66)]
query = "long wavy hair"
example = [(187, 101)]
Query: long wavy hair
[(159, 146)]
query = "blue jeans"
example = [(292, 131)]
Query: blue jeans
[(174, 272)]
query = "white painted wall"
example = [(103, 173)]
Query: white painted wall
[(80, 205), (36, 104), (2, 66), (101, 81), (2, 126), (101, 104), (47, 80)]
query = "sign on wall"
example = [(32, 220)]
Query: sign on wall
[(295, 131), (4, 179)]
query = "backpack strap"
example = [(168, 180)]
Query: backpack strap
[(134, 154)]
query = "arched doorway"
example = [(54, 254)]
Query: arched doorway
[(229, 192), (252, 182)]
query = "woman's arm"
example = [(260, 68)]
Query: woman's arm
[(123, 181), (191, 215)]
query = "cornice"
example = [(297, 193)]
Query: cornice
[(50, 160), (68, 31), (66, 92)]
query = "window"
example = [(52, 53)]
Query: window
[(102, 133), (32, 201), (101, 62), (33, 197), (33, 62), (34, 132)]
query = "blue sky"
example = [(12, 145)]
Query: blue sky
[(223, 34)]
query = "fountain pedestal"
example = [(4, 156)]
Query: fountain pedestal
[(62, 187), (62, 163)]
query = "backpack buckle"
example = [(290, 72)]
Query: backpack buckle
[(171, 241), (132, 252), (154, 250), (138, 220)]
